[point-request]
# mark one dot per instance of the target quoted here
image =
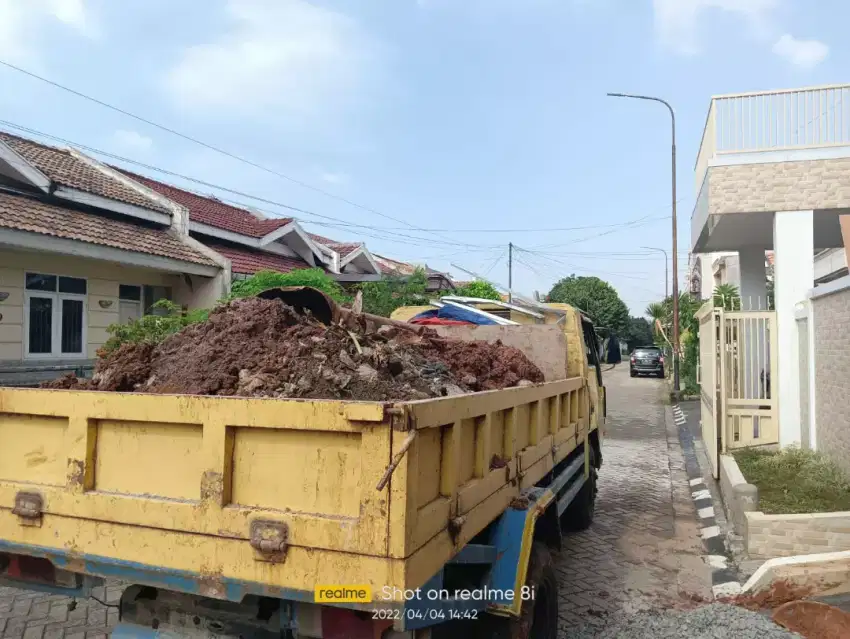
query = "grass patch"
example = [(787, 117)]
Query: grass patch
[(795, 481)]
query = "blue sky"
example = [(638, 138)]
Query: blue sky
[(442, 114)]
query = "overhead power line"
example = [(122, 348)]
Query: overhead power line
[(386, 234), (271, 171), (544, 263), (376, 232), (645, 219), (206, 145)]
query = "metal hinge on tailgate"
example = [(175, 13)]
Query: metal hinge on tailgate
[(269, 540), (29, 506)]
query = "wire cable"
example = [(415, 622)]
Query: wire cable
[(393, 235), (206, 145)]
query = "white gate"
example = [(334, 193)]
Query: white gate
[(737, 362), (748, 344)]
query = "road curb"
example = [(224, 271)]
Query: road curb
[(724, 575)]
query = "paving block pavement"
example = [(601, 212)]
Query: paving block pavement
[(25, 614), (643, 550)]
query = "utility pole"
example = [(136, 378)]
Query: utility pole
[(510, 272), (675, 232)]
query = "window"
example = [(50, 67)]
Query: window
[(55, 316), (129, 303)]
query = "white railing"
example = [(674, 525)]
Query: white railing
[(774, 121)]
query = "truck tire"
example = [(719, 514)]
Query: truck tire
[(539, 617), (579, 514)]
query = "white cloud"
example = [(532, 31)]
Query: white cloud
[(23, 25), (131, 140), (801, 53), (676, 20), (284, 57)]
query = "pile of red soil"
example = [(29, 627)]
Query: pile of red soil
[(813, 620), (263, 348), (779, 592)]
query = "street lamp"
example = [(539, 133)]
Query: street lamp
[(666, 275), (675, 243)]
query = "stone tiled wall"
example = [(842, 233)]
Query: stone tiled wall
[(771, 536), (779, 186), (832, 374)]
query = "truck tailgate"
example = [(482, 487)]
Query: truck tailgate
[(200, 484)]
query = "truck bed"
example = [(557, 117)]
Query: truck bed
[(230, 496)]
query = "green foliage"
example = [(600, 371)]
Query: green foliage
[(795, 481), (727, 297), (690, 361), (479, 288), (662, 313), (264, 280), (392, 292), (153, 328), (595, 297), (657, 311), (638, 332)]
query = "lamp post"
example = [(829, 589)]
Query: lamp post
[(675, 243), (666, 274)]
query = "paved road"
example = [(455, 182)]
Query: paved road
[(643, 548), (641, 552)]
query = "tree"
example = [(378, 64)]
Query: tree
[(639, 332), (480, 289), (392, 292), (264, 280), (596, 298), (658, 312), (727, 296)]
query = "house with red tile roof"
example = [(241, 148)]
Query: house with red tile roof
[(253, 242), (87, 245), (84, 248), (438, 282)]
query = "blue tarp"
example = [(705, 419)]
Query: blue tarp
[(455, 313)]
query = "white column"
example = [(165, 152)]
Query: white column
[(706, 261), (793, 244), (753, 279)]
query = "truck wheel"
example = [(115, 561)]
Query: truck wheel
[(539, 617), (579, 514)]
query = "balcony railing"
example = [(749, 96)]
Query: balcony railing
[(774, 121)]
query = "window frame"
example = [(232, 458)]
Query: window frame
[(139, 304), (56, 324)]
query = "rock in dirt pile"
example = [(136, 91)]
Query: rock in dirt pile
[(263, 348)]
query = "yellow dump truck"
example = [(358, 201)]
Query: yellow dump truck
[(242, 517)]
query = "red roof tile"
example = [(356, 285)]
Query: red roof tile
[(64, 169), (248, 262), (27, 214), (343, 248), (389, 265), (209, 210)]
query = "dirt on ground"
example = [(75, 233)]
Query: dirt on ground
[(779, 592), (813, 620), (263, 348)]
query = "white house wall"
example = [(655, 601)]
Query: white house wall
[(103, 279)]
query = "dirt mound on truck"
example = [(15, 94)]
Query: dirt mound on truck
[(263, 348)]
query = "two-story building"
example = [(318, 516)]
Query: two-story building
[(773, 174)]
